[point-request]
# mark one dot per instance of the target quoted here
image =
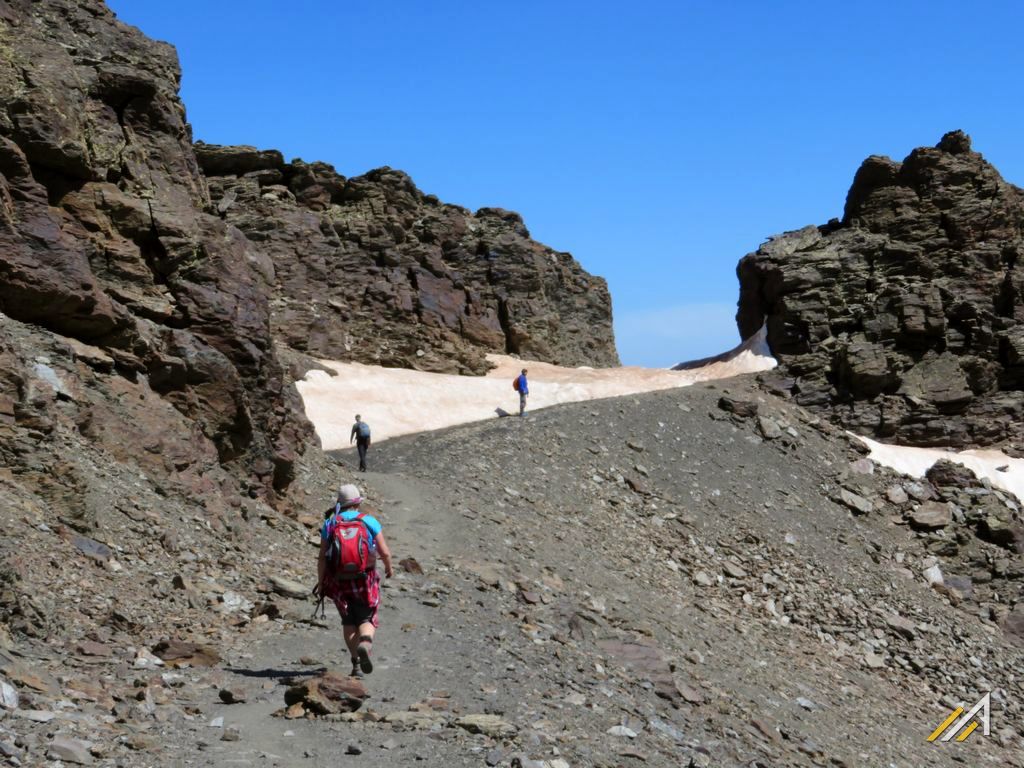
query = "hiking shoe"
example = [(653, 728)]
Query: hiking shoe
[(356, 671), (363, 651)]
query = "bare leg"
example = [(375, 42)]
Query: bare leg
[(351, 634), (364, 645)]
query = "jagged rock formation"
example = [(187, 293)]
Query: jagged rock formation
[(904, 320), (371, 269), (139, 323), (105, 242)]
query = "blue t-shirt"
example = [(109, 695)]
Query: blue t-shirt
[(372, 525)]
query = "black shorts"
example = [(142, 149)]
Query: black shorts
[(358, 613)]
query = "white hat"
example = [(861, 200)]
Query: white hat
[(348, 496)]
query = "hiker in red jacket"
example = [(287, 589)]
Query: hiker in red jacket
[(350, 541)]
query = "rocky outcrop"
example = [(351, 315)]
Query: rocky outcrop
[(370, 269), (145, 318), (904, 320), (106, 242)]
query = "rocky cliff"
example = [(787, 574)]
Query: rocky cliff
[(133, 318), (904, 320), (371, 269), (148, 285)]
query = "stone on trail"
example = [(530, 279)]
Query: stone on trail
[(232, 695), (489, 725), (330, 693), (410, 565), (413, 719)]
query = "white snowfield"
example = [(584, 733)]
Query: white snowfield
[(1002, 471), (398, 401)]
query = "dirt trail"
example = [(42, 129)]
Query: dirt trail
[(415, 656), (644, 580)]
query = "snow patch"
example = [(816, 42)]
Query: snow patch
[(398, 401), (1002, 471)]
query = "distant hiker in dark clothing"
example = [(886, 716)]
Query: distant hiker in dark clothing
[(523, 389), (350, 541), (361, 434)]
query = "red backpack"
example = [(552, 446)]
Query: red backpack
[(515, 383), (350, 551)]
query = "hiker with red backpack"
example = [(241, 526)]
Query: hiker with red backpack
[(350, 541), (520, 386)]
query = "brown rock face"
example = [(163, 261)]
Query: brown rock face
[(105, 238), (139, 288), (904, 320), (371, 269)]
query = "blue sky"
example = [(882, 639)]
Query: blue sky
[(657, 141)]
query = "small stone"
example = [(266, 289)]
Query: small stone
[(232, 695), (855, 502), (411, 565), (217, 722), (353, 749), (807, 704), (704, 579), (622, 730), (231, 734), (741, 408), (862, 467), (931, 515), (92, 648), (70, 750), (389, 744), (768, 428), (489, 725), (874, 661), (36, 715), (733, 570), (896, 495), (494, 757), (690, 695), (902, 626), (8, 695), (933, 575)]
